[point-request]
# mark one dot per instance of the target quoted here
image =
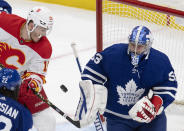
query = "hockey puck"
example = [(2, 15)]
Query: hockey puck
[(63, 87)]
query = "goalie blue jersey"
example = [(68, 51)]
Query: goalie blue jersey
[(13, 116), (126, 84)]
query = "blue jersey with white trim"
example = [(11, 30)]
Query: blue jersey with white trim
[(126, 84), (13, 116)]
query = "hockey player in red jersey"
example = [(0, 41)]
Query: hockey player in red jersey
[(25, 47)]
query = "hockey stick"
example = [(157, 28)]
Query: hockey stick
[(76, 56), (97, 123), (75, 123)]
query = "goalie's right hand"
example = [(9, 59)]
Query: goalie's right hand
[(93, 98), (145, 110)]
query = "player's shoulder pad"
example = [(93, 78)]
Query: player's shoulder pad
[(116, 49), (13, 23), (43, 48), (116, 46), (159, 56)]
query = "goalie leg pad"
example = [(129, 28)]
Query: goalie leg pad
[(93, 98)]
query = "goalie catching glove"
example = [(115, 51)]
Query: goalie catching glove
[(145, 110), (93, 98)]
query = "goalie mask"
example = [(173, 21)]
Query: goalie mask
[(140, 41), (40, 16)]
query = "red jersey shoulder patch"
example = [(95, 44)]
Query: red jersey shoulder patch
[(43, 47)]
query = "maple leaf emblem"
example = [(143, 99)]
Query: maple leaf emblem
[(130, 95)]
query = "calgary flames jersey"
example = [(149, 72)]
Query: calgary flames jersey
[(16, 53)]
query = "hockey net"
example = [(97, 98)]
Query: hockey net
[(116, 18)]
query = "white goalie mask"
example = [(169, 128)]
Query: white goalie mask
[(40, 16)]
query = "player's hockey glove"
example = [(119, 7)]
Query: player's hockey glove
[(145, 110), (31, 82), (35, 85), (93, 98)]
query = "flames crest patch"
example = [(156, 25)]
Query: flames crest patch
[(7, 53)]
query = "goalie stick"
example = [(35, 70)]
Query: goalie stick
[(75, 123), (98, 122)]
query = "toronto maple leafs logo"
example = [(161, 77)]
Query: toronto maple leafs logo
[(130, 95)]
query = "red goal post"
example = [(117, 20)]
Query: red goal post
[(116, 18)]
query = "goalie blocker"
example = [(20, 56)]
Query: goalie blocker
[(93, 98)]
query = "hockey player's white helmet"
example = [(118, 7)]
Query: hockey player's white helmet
[(41, 16)]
